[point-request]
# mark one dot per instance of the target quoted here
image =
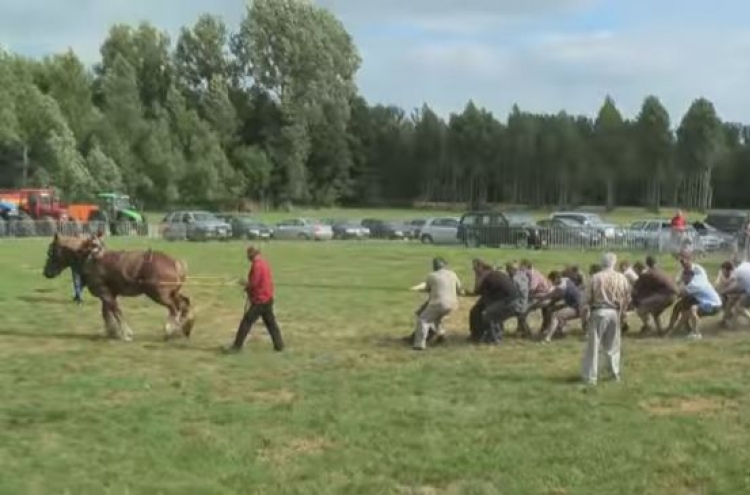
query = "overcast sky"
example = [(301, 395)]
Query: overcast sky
[(545, 55)]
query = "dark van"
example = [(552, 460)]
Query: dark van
[(495, 229)]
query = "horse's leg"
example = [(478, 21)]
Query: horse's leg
[(165, 299), (126, 333), (172, 322), (187, 315), (111, 327)]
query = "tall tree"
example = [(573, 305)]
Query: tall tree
[(147, 50), (700, 142), (610, 142), (202, 55), (430, 153), (302, 56), (654, 143)]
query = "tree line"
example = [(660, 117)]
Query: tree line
[(271, 113)]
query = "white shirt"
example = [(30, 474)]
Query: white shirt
[(742, 275), (630, 275)]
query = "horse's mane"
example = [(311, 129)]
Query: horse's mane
[(70, 243)]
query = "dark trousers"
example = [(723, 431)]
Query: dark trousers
[(477, 325), (495, 315), (255, 312)]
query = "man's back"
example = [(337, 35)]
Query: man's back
[(703, 292), (497, 286), (609, 288), (742, 275), (444, 286), (260, 282), (654, 281)]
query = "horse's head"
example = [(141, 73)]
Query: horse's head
[(62, 253)]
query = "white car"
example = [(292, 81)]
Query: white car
[(440, 230), (303, 229)]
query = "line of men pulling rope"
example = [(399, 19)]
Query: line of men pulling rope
[(602, 304)]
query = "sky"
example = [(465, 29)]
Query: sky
[(544, 55)]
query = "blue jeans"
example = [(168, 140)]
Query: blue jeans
[(77, 285)]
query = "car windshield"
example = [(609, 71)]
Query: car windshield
[(567, 222), (593, 219), (519, 217), (202, 216)]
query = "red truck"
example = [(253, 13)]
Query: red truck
[(39, 204)]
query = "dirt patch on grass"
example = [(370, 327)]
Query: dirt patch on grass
[(703, 406), (232, 391), (294, 448)]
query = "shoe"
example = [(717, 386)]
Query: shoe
[(231, 349), (695, 336)]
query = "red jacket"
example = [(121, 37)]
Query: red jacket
[(260, 282), (678, 222)]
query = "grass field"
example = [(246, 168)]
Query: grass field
[(348, 408)]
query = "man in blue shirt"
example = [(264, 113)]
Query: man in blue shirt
[(699, 299)]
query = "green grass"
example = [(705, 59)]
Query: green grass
[(347, 408)]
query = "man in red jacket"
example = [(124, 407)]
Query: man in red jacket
[(259, 288)]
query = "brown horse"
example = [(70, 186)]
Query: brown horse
[(110, 274)]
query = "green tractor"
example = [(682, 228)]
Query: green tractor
[(119, 212)]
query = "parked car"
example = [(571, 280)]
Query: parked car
[(442, 230), (303, 229), (656, 234), (247, 227), (566, 232), (609, 231), (494, 228), (194, 226), (415, 227), (382, 229), (731, 222), (728, 221), (350, 229), (713, 239)]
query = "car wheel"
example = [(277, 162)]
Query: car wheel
[(426, 239), (472, 241), (303, 237)]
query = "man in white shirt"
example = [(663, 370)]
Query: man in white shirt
[(444, 287), (735, 290)]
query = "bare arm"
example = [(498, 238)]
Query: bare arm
[(419, 287)]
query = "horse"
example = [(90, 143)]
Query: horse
[(110, 274)]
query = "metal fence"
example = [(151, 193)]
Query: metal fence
[(47, 228), (593, 238), (569, 238)]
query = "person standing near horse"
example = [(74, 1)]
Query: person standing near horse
[(76, 269), (260, 293)]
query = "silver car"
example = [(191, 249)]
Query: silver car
[(194, 226), (442, 230), (657, 235), (304, 229)]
